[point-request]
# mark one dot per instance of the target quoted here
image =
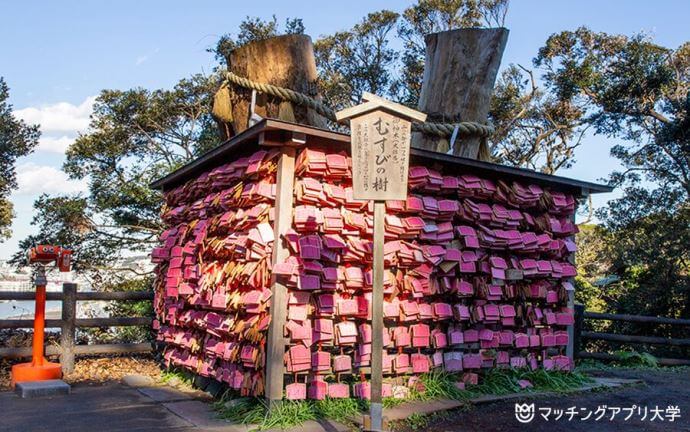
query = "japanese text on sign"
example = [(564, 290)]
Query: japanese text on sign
[(380, 156)]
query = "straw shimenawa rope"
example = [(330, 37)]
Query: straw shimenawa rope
[(466, 129)]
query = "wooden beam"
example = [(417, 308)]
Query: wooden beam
[(373, 102), (82, 322), (652, 340), (53, 350), (459, 74), (606, 356), (117, 295), (114, 322), (285, 61), (636, 318), (247, 140), (275, 346), (28, 323), (28, 295), (84, 295)]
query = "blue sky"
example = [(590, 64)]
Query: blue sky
[(57, 55)]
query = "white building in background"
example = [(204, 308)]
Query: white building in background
[(13, 279)]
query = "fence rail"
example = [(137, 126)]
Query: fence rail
[(636, 318), (581, 315), (69, 323)]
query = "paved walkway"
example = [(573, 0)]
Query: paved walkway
[(143, 406), (119, 407)]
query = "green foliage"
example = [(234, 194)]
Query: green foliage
[(142, 308), (135, 136), (633, 89), (431, 16), (340, 410), (17, 139), (589, 295), (435, 385), (417, 421), (254, 29), (357, 60), (177, 375), (439, 385), (636, 359), (255, 411), (593, 262), (533, 128), (504, 381)]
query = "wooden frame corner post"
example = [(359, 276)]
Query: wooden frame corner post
[(275, 346), (570, 348)]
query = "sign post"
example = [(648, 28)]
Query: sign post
[(380, 139)]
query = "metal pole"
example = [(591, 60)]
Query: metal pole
[(376, 407), (39, 317)]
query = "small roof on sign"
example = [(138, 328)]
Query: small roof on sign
[(373, 102)]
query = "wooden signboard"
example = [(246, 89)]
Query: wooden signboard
[(380, 156), (380, 136), (380, 140)]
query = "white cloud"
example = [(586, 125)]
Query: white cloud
[(37, 179), (62, 117), (53, 144)]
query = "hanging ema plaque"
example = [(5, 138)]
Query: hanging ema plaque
[(380, 137)]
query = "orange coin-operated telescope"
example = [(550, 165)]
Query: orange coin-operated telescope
[(39, 369)]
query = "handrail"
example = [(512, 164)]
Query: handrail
[(79, 322), (652, 340), (69, 322), (636, 318), (581, 315), (85, 295)]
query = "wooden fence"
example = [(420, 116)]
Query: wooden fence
[(69, 323), (580, 334)]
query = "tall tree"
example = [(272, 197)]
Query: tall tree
[(633, 89), (134, 137), (534, 129), (357, 60), (17, 139), (254, 29)]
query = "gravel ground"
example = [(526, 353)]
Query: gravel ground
[(98, 370), (663, 388)]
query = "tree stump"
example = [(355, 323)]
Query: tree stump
[(459, 75), (285, 61)]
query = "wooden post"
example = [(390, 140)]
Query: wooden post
[(376, 410), (577, 333), (570, 349), (286, 61), (380, 149), (68, 328), (459, 75), (275, 347)]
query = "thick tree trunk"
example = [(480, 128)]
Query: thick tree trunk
[(285, 61), (459, 75)]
